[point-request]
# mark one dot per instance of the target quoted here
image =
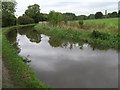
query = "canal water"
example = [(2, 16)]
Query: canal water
[(65, 63)]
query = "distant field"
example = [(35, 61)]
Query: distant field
[(108, 25), (113, 21)]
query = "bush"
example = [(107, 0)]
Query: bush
[(8, 20), (81, 22), (22, 20), (100, 35), (55, 18)]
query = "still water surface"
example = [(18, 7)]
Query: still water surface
[(64, 63)]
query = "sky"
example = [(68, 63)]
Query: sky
[(79, 7)]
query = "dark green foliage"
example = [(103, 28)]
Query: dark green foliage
[(100, 35), (8, 17), (43, 17), (98, 15), (82, 17), (69, 16), (81, 22), (33, 11), (112, 15), (119, 13), (22, 20), (91, 16), (8, 7)]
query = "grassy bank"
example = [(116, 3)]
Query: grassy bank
[(20, 73), (97, 38)]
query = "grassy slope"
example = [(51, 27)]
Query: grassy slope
[(104, 39), (21, 74)]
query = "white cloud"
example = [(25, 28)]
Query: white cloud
[(76, 6)]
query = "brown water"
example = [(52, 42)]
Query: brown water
[(64, 63)]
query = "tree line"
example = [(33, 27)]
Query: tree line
[(33, 15)]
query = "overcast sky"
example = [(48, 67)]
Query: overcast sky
[(79, 7)]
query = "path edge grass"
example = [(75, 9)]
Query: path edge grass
[(21, 74)]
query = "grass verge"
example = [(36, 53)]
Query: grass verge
[(20, 73)]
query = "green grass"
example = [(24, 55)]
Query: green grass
[(21, 74), (113, 21), (107, 25), (103, 39)]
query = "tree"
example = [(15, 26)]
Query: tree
[(70, 16), (43, 17), (8, 17), (82, 17), (8, 20), (119, 13), (55, 18), (98, 15), (33, 11), (91, 16), (114, 14), (22, 20)]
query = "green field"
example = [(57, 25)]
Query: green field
[(108, 25), (113, 21)]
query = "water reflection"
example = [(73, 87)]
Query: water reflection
[(67, 64), (12, 37), (31, 34)]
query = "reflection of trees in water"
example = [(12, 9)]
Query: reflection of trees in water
[(98, 47), (24, 30), (34, 36), (31, 34), (12, 37), (55, 42)]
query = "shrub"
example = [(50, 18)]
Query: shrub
[(100, 35), (22, 20), (81, 22)]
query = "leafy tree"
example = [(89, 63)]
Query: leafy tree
[(55, 18), (91, 16), (98, 15), (8, 17), (70, 16), (33, 11), (43, 17), (82, 17), (119, 13), (25, 20), (113, 14)]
